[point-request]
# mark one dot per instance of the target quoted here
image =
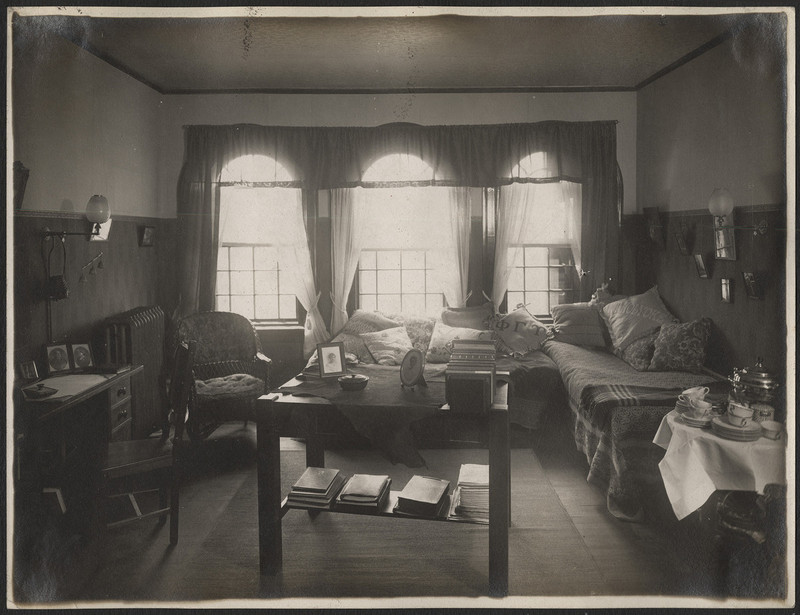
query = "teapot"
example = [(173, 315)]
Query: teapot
[(755, 384)]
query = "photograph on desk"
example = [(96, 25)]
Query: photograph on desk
[(57, 359), (81, 356)]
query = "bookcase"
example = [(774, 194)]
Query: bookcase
[(271, 413)]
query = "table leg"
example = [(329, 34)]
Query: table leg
[(315, 451), (499, 503), (270, 547)]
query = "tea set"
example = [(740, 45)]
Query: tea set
[(736, 422)]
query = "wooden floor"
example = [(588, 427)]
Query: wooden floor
[(563, 542)]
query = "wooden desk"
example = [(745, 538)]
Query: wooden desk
[(271, 413)]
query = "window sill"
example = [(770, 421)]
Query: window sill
[(278, 327)]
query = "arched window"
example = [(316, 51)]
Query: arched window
[(399, 269), (543, 258), (253, 211)]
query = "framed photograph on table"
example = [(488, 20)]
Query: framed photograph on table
[(57, 359), (27, 371), (81, 356), (331, 361)]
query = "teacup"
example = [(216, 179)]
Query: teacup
[(739, 414), (682, 407), (695, 393), (698, 408), (771, 429)]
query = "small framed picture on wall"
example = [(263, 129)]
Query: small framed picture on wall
[(57, 359), (147, 236), (751, 285), (702, 265), (726, 290)]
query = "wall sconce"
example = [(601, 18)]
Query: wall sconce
[(721, 207), (91, 265), (97, 212)]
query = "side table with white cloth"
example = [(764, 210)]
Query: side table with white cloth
[(699, 462)]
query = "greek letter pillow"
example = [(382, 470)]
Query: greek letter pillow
[(518, 333)]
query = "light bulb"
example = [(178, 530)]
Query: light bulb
[(97, 210), (720, 203)]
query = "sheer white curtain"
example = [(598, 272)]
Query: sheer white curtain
[(456, 257), (347, 237), (295, 258), (572, 194), (515, 211)]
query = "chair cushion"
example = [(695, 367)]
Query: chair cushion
[(234, 386)]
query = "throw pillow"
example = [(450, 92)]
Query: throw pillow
[(682, 346), (362, 321), (439, 348), (476, 317), (518, 333), (578, 324), (388, 347), (639, 352), (419, 329), (631, 318)]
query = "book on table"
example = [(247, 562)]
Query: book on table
[(423, 496), (470, 501), (317, 487), (364, 493)]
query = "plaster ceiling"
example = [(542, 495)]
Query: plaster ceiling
[(387, 53)]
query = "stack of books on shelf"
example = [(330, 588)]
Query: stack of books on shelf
[(423, 496), (364, 493), (316, 488), (470, 375), (471, 495)]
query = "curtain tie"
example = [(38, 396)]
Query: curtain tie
[(336, 305)]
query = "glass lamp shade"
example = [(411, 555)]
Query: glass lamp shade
[(720, 203), (97, 210)]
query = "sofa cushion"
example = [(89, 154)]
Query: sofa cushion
[(476, 317), (233, 386), (682, 346), (443, 335), (579, 324), (518, 333), (631, 318), (362, 321), (388, 347), (419, 329), (639, 352)]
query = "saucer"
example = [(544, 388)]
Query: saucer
[(724, 429), (691, 421)]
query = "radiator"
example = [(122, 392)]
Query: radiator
[(136, 337)]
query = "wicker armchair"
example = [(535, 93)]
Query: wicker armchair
[(230, 371)]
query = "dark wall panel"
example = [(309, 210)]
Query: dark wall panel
[(131, 276)]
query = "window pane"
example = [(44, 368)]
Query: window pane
[(514, 299), (430, 280), (223, 303), (241, 282), (266, 257), (366, 282), (241, 258), (286, 283), (243, 306), (517, 279), (559, 298), (414, 281), (369, 303), (435, 301), (367, 260), (388, 281), (536, 256), (223, 279), (559, 278), (222, 258), (537, 303), (389, 259), (389, 304), (536, 279), (288, 306), (266, 307), (414, 259), (560, 256), (267, 282), (414, 304)]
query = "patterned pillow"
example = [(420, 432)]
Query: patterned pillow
[(518, 334), (362, 321), (639, 352), (476, 317), (419, 329), (631, 318), (388, 347), (439, 351), (681, 347), (579, 324)]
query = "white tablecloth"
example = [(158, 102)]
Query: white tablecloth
[(699, 462)]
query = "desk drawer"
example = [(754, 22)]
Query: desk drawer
[(119, 413), (119, 392), (122, 431)]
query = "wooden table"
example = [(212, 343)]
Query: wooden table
[(271, 413)]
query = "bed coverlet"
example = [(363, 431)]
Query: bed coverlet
[(616, 411)]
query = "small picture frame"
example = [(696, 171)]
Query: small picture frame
[(81, 356), (702, 266), (103, 232), (654, 228), (726, 288), (751, 285), (680, 239), (57, 359), (28, 371), (147, 236), (331, 361)]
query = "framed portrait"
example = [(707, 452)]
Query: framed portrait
[(654, 228), (724, 239), (331, 359), (57, 359), (683, 246), (147, 236), (751, 285), (702, 266), (28, 371), (81, 356), (104, 231), (726, 288)]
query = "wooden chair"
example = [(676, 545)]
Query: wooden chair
[(131, 461)]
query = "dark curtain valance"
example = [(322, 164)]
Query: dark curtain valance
[(337, 157)]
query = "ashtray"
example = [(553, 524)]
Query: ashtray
[(353, 382)]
